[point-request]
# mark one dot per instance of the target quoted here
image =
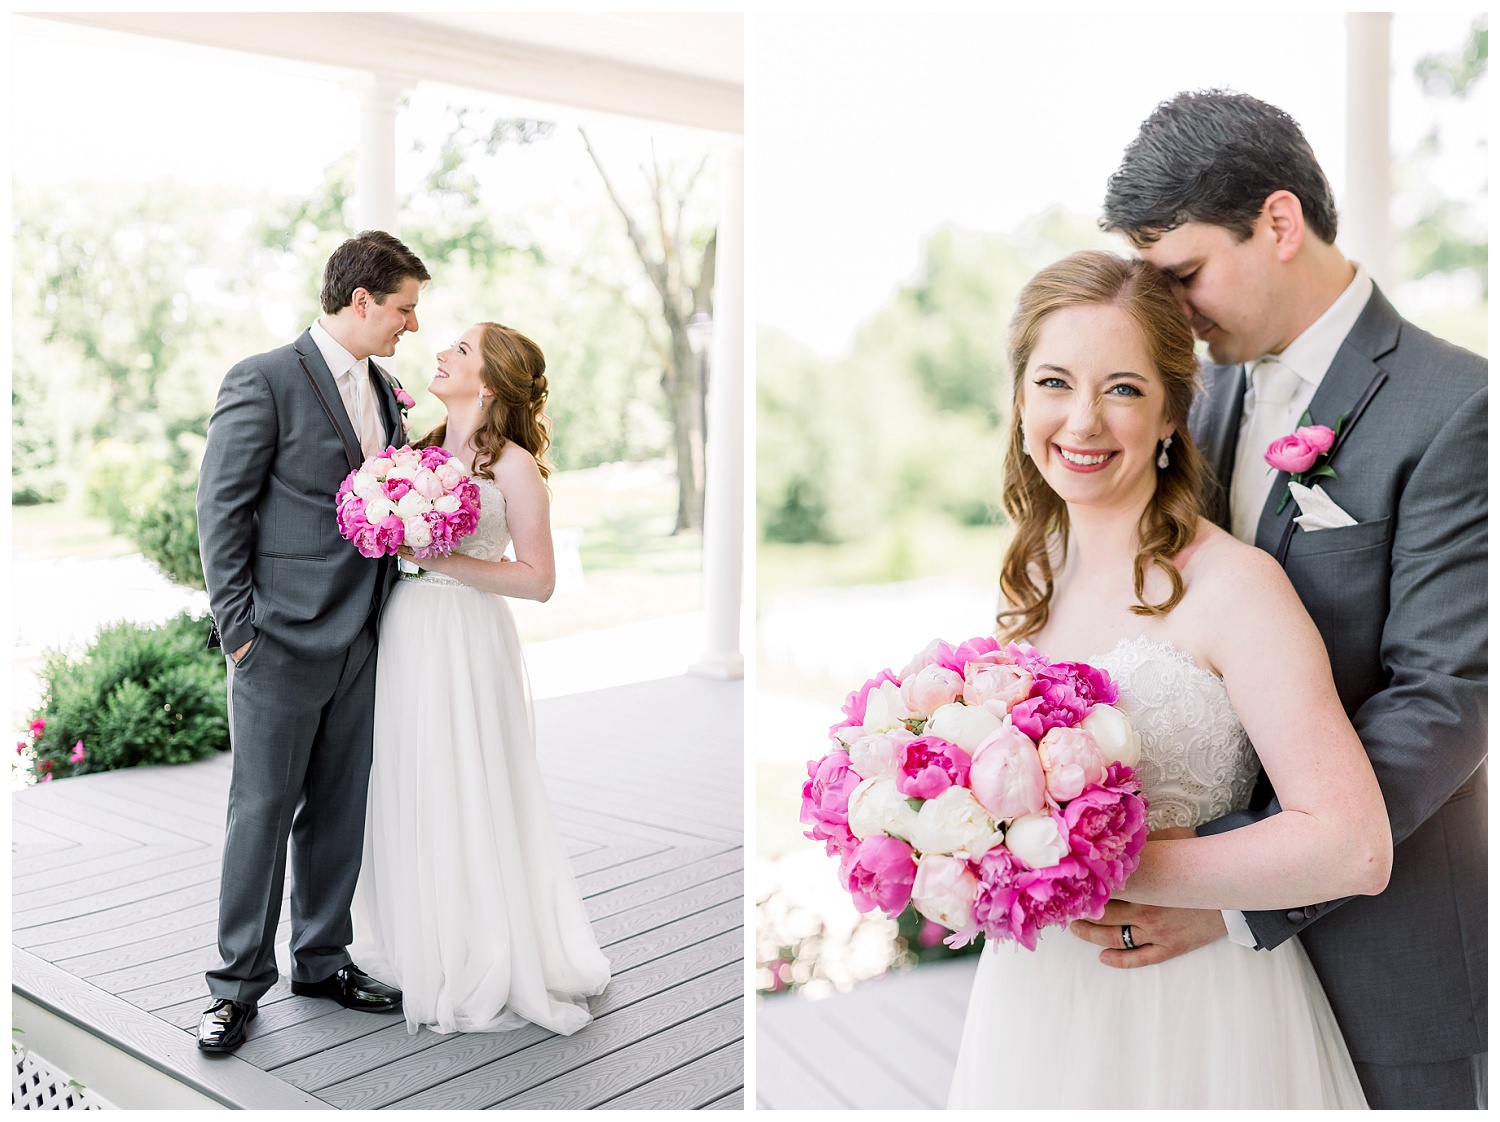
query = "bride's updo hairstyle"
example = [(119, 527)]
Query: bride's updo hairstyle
[(1039, 516), (514, 371)]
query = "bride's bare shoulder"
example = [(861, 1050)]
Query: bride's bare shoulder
[(1231, 579)]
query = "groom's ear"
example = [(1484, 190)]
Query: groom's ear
[(1282, 213)]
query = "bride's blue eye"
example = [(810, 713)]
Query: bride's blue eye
[(1052, 383), (1130, 391)]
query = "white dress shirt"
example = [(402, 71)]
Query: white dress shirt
[(352, 375), (1310, 355)]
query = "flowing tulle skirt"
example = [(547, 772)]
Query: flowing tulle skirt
[(1220, 1027), (465, 899)]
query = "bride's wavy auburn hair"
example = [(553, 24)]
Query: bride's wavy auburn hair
[(514, 371), (1038, 514)]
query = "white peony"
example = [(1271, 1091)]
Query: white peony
[(403, 471), (884, 711), (964, 725), (954, 822), (377, 510), (944, 891), (367, 487), (417, 534), (1036, 841), (877, 754), (377, 467), (1116, 736), (407, 458), (876, 807), (412, 504), (446, 504)]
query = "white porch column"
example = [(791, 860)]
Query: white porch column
[(375, 183), (1365, 210), (724, 483)]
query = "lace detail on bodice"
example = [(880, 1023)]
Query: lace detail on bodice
[(1197, 763), (487, 542)]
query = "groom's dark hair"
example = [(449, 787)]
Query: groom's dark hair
[(1214, 156), (372, 260)]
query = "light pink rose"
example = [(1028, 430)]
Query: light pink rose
[(879, 874), (1072, 761), (944, 890), (1000, 683), (1006, 774), (1300, 451), (930, 688)]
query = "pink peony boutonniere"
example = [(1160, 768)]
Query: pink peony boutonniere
[(1304, 454), (404, 399)]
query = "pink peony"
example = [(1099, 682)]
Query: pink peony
[(982, 649), (404, 399), (1006, 775), (395, 488), (927, 766), (37, 727), (1052, 704), (364, 542), (930, 688), (854, 704), (1107, 826), (1300, 451), (351, 516), (432, 456), (936, 653), (1072, 762), (994, 684), (825, 801), (389, 534), (944, 890), (78, 755), (1015, 902), (878, 873), (428, 485), (1092, 685)]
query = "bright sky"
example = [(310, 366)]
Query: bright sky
[(871, 132)]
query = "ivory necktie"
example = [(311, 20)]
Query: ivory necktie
[(1275, 386), (367, 423)]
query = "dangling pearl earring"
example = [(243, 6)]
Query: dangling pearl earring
[(481, 399), (1162, 461)]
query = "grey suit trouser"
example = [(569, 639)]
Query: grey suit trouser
[(1447, 1085), (300, 731)]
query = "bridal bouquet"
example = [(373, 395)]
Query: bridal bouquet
[(990, 787), (424, 500)]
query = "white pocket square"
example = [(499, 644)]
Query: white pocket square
[(1319, 512)]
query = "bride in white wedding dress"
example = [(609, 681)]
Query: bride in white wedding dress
[(1113, 564), (465, 900)]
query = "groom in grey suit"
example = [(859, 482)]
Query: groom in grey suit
[(295, 606), (1223, 193)]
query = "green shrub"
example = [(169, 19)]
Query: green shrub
[(123, 476), (139, 695), (167, 532)]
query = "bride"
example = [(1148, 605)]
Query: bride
[(1112, 563), (465, 900)]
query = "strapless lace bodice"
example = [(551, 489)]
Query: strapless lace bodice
[(1196, 760), (489, 539)]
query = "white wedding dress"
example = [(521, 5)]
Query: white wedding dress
[(465, 900), (1223, 1026)]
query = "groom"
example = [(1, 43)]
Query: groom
[(295, 606), (1223, 193)]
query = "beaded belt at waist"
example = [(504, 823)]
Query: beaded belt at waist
[(426, 577)]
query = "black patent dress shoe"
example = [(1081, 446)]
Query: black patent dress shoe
[(352, 988), (222, 1027)]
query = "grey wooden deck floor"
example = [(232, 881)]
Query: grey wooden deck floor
[(115, 891), (907, 1027)]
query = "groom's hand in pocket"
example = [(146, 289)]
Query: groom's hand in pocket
[(1158, 933)]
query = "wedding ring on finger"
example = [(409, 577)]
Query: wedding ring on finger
[(1126, 938)]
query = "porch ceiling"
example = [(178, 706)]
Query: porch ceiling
[(677, 68)]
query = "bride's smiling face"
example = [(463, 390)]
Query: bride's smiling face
[(460, 369), (1094, 408)]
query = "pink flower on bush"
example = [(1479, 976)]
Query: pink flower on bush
[(46, 778), (1107, 826), (37, 727), (1052, 704), (1015, 902), (825, 801), (927, 766), (1006, 775), (20, 747), (878, 873), (1071, 760), (404, 399), (44, 765), (79, 755), (1300, 451)]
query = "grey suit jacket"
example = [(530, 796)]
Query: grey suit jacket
[(1400, 600), (279, 445)]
